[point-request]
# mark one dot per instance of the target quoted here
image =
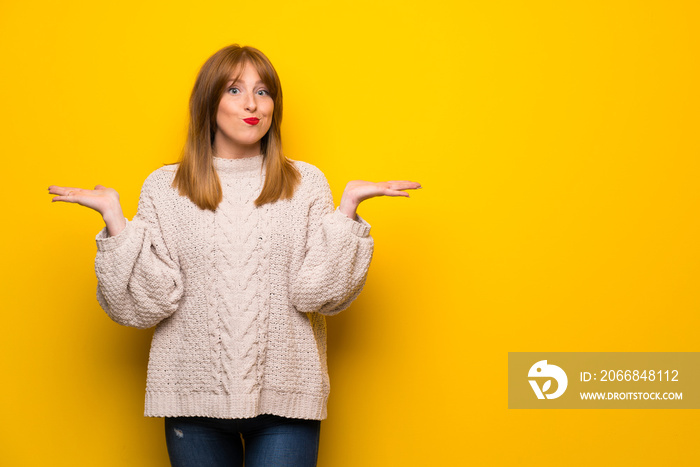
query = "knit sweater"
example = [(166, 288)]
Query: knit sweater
[(238, 295)]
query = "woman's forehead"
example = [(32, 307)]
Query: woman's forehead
[(244, 73)]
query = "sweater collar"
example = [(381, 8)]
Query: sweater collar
[(245, 166)]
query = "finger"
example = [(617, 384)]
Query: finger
[(68, 199), (405, 186), (100, 187), (62, 190), (396, 193)]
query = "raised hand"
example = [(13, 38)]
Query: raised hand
[(102, 199), (357, 191)]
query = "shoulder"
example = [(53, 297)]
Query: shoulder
[(312, 178), (160, 180), (161, 176)]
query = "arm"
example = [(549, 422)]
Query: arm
[(139, 283), (338, 254), (339, 247)]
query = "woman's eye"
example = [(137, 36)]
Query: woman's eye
[(234, 91), (263, 92)]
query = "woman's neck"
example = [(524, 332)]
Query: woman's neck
[(230, 150)]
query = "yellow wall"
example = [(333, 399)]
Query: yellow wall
[(557, 143)]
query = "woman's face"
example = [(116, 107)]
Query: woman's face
[(244, 116)]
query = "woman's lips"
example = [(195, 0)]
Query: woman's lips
[(251, 120)]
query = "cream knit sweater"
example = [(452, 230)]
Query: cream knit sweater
[(238, 295)]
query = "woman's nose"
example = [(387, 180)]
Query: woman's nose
[(250, 104)]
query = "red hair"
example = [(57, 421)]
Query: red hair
[(196, 176)]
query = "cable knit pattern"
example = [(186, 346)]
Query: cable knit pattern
[(239, 295)]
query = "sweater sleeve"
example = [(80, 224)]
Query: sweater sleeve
[(138, 282), (338, 254)]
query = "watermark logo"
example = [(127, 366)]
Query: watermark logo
[(542, 370)]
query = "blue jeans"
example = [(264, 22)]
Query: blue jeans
[(266, 440)]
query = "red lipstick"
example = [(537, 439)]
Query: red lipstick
[(251, 120)]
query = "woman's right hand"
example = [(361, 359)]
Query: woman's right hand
[(102, 199)]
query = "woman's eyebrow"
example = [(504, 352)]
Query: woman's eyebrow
[(258, 82)]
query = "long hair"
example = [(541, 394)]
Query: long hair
[(196, 176)]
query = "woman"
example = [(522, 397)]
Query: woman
[(236, 254)]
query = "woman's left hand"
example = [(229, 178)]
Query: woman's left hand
[(357, 191)]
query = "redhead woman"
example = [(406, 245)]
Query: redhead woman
[(236, 255)]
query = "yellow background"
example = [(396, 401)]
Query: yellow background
[(557, 143)]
